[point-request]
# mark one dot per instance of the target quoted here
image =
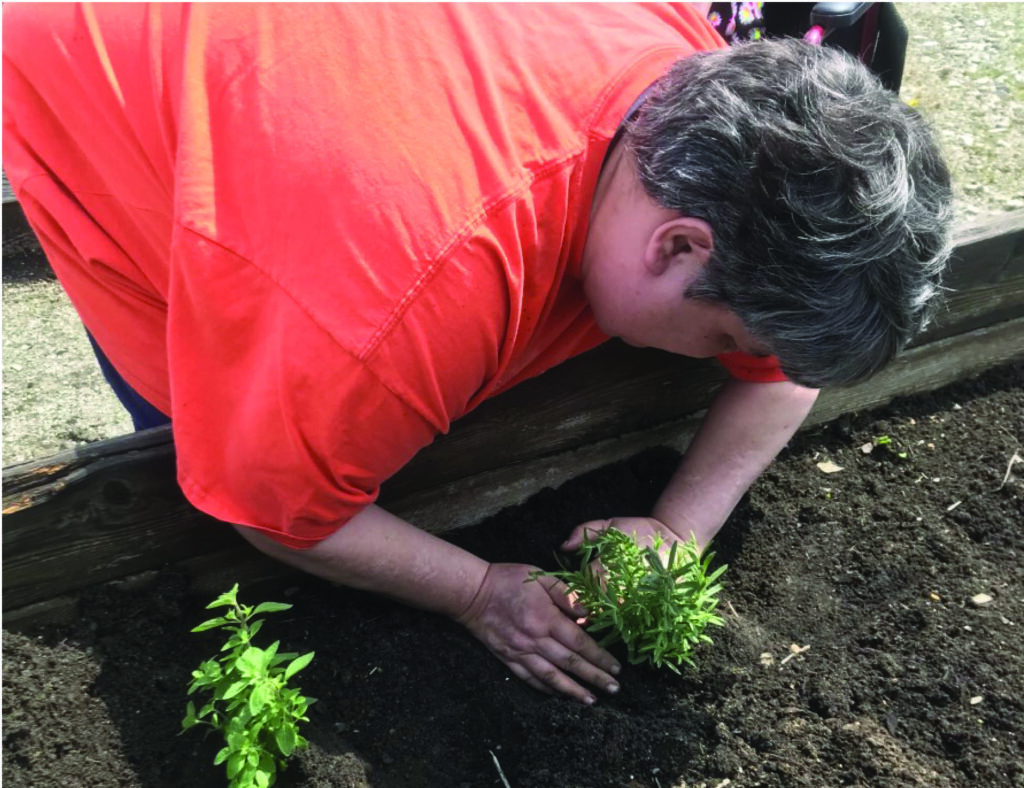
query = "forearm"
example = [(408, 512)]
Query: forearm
[(746, 426), (379, 552)]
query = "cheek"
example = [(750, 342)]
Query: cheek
[(617, 306), (699, 334), (708, 345), (602, 306)]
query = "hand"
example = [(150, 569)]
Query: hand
[(527, 625), (643, 529)]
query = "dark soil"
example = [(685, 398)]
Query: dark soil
[(903, 681)]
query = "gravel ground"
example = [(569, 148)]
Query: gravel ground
[(964, 72)]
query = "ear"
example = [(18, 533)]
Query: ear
[(682, 240)]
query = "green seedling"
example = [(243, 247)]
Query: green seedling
[(251, 704), (888, 443), (659, 606)]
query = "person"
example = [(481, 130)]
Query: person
[(313, 235)]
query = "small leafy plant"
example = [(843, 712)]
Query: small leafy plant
[(658, 608), (891, 446), (251, 703)]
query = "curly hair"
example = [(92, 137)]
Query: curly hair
[(829, 200)]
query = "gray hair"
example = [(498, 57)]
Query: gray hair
[(828, 198)]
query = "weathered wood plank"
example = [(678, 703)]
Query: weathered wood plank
[(116, 517), (609, 391), (926, 368), (986, 277), (34, 482), (208, 575)]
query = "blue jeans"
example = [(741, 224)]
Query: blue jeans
[(143, 414)]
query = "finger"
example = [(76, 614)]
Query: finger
[(599, 572), (579, 642), (575, 540), (552, 677), (522, 673), (564, 599), (572, 662)]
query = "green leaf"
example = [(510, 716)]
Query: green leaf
[(251, 661), (234, 689), (259, 698), (287, 739), (235, 736), (282, 657), (212, 623), (227, 599), (235, 763), (716, 574), (270, 607), (234, 640), (222, 756), (297, 665), (190, 717)]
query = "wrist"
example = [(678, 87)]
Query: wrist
[(685, 529), (473, 589)]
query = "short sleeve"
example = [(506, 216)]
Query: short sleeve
[(753, 369), (276, 425)]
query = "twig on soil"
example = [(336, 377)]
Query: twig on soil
[(793, 651), (1009, 468), (733, 610), (501, 773)]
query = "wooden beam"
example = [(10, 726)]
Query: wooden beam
[(985, 278), (113, 509), (83, 518)]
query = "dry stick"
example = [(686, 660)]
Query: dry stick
[(788, 657), (1009, 467), (501, 774)]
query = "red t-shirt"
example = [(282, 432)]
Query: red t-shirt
[(316, 234)]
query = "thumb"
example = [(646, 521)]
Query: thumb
[(565, 600), (575, 540)]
